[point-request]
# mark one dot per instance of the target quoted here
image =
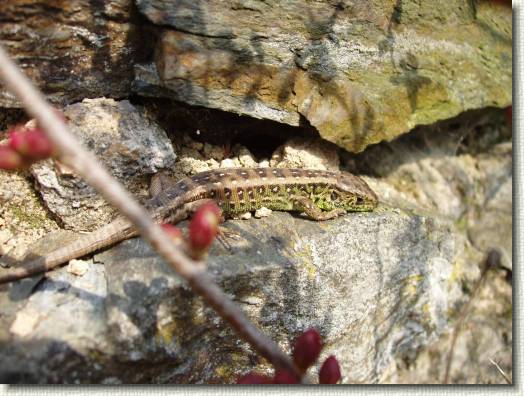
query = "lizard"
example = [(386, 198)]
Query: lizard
[(321, 195)]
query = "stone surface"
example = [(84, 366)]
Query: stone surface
[(23, 220), (306, 153), (484, 337), (385, 289), (465, 176), (287, 274), (129, 144), (75, 49), (455, 176), (358, 73)]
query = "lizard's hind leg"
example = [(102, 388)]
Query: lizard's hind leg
[(309, 208)]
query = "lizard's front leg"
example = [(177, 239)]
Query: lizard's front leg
[(308, 207), (160, 182), (190, 208)]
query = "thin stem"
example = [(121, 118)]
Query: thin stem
[(504, 375)]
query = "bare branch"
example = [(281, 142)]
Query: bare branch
[(85, 164), (506, 378)]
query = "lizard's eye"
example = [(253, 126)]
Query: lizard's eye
[(334, 195), (360, 200)]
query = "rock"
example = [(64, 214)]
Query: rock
[(77, 267), (245, 157), (372, 284), (75, 50), (484, 336), (424, 171), (229, 163), (245, 216), (384, 289), (358, 73), (25, 322), (128, 144), (306, 153), (58, 343), (490, 220), (464, 175), (23, 220), (262, 212)]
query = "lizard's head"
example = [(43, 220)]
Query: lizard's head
[(353, 194)]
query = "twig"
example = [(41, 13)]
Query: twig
[(500, 371), (85, 164)]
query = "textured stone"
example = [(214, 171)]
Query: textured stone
[(384, 289), (485, 336), (358, 72), (287, 274), (128, 144), (23, 220), (306, 153), (74, 49), (451, 175), (464, 175)]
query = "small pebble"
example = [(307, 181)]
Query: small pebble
[(25, 322), (5, 235), (245, 216), (262, 212), (77, 267), (227, 163)]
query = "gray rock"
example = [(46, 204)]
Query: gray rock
[(444, 175), (130, 145), (490, 221), (359, 73), (465, 176), (373, 284), (483, 340), (384, 288)]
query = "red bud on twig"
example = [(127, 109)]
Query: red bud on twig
[(204, 227), (284, 377), (10, 159), (330, 371), (307, 348), (31, 143)]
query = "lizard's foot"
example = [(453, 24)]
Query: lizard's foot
[(225, 236)]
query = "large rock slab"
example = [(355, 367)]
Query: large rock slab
[(358, 72), (372, 284), (465, 176), (72, 49)]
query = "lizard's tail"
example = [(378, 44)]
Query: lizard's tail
[(111, 233)]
